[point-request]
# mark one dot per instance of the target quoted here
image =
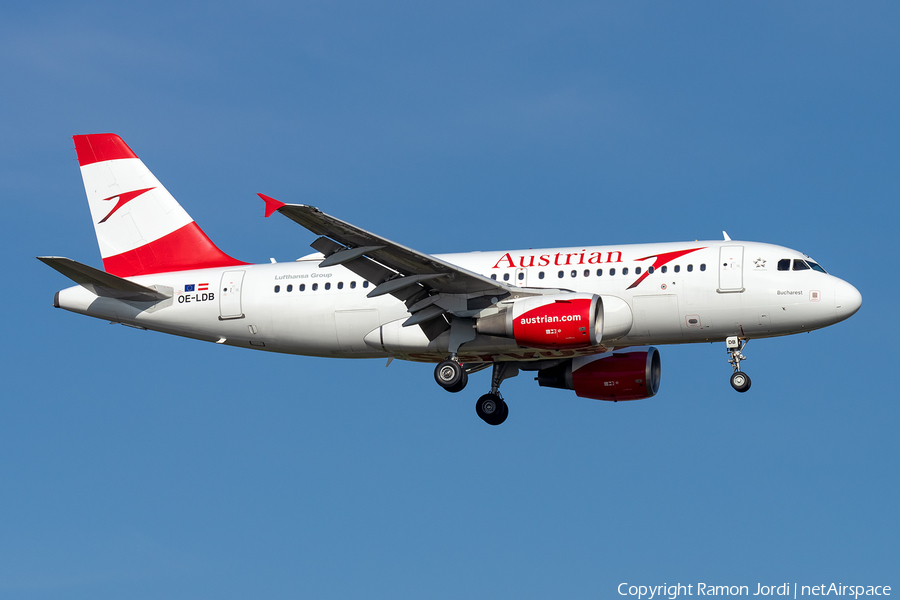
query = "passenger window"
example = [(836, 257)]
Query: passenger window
[(315, 286), (650, 270), (599, 272), (637, 271), (521, 275), (664, 268), (690, 268), (612, 272), (625, 271), (289, 288), (541, 275), (800, 265), (328, 286), (506, 277), (302, 287), (702, 266), (677, 268), (277, 288), (340, 285), (587, 273), (494, 277), (574, 273), (784, 264), (561, 274), (365, 284), (352, 285)]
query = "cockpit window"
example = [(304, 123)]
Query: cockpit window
[(800, 265), (816, 267), (784, 264)]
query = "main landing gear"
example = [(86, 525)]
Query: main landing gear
[(451, 375), (740, 381), (491, 408)]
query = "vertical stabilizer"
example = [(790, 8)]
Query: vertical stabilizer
[(140, 227)]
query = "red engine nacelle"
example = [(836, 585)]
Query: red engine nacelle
[(572, 322), (555, 321), (618, 376)]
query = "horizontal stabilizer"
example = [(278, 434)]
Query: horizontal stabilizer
[(102, 283)]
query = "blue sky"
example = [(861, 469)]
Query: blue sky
[(138, 465)]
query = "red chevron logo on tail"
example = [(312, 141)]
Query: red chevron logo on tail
[(124, 199)]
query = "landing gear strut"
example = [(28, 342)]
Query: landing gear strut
[(740, 381)]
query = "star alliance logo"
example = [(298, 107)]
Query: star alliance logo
[(759, 263)]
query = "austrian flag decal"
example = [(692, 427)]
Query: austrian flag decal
[(195, 292)]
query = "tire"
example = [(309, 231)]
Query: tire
[(491, 409), (503, 413), (460, 386), (448, 374), (740, 381)]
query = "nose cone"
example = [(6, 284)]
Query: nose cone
[(847, 299)]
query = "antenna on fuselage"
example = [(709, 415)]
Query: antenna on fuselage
[(727, 239)]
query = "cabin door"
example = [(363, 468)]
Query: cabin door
[(731, 269)]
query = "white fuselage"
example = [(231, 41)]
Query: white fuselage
[(697, 292)]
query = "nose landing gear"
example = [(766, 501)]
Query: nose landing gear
[(740, 381)]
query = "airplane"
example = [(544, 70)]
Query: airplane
[(583, 318)]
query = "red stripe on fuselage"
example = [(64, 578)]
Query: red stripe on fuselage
[(97, 147), (661, 259), (184, 249)]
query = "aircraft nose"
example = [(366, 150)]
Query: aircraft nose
[(847, 299)]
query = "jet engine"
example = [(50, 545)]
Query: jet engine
[(617, 376), (559, 320)]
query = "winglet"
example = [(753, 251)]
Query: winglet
[(271, 204)]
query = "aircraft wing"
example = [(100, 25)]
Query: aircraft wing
[(430, 286), (346, 244)]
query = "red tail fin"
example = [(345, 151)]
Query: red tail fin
[(140, 227)]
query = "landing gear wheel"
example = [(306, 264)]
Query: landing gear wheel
[(492, 409), (504, 414), (740, 381), (461, 385), (450, 375)]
